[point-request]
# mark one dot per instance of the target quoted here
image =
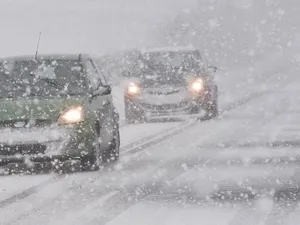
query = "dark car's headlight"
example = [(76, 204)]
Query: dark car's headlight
[(197, 85), (71, 115)]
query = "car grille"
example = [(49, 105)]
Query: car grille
[(22, 149), (163, 92), (166, 107), (24, 123)]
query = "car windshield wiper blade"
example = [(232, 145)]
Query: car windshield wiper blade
[(52, 83), (56, 85)]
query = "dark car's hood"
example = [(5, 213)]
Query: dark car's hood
[(161, 78), (163, 82), (167, 80), (40, 109)]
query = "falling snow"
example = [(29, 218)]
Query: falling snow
[(149, 112)]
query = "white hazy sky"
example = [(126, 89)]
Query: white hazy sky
[(82, 25)]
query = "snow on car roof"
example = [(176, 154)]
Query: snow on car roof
[(170, 49), (44, 56)]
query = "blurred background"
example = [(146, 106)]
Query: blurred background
[(94, 26), (229, 32)]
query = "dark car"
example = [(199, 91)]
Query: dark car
[(56, 111), (170, 83)]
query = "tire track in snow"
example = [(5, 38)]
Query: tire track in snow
[(139, 143), (254, 212), (277, 205), (266, 211), (281, 209), (27, 192)]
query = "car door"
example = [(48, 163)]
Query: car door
[(99, 104), (109, 123)]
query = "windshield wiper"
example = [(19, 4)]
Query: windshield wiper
[(51, 83), (54, 84)]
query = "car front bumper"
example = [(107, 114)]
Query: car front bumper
[(45, 144), (186, 108)]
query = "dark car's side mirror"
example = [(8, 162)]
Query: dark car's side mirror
[(212, 69), (106, 90), (126, 73), (101, 91)]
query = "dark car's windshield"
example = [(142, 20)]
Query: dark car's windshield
[(186, 60), (162, 68), (159, 80), (51, 77)]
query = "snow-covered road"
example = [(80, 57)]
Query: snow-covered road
[(237, 169)]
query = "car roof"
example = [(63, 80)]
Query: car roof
[(44, 56), (170, 49)]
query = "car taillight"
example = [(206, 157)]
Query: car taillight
[(133, 89)]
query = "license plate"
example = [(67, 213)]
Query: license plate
[(24, 135), (164, 99)]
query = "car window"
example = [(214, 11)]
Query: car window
[(92, 75), (190, 59)]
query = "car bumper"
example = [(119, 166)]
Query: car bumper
[(191, 107), (42, 145)]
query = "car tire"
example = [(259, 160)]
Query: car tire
[(113, 151), (131, 116), (214, 112), (91, 162), (212, 107), (215, 105)]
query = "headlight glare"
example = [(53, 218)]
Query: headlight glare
[(133, 89), (71, 115), (197, 85)]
